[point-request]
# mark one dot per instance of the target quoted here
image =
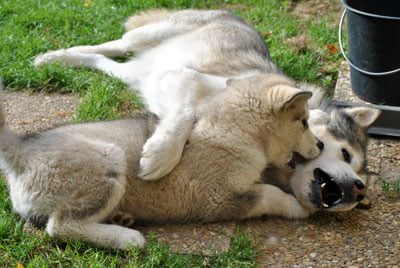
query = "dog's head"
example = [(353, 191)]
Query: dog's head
[(278, 116), (337, 179)]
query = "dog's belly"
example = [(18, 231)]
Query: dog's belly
[(175, 198), (154, 201)]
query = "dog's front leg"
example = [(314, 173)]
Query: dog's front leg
[(270, 200), (174, 96), (163, 150)]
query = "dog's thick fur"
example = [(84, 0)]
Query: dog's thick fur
[(341, 168), (73, 178), (182, 59)]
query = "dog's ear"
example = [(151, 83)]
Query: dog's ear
[(317, 95), (364, 116), (295, 99), (318, 117)]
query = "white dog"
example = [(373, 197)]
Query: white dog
[(181, 60)]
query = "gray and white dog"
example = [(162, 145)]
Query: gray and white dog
[(338, 179)]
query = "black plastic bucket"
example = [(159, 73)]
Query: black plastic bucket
[(373, 29)]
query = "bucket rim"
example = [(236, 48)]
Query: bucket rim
[(349, 61), (344, 2)]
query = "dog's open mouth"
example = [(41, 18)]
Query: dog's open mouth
[(330, 192), (292, 163), (296, 159)]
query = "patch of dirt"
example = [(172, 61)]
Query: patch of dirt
[(306, 10), (299, 43), (358, 238), (31, 112), (205, 239)]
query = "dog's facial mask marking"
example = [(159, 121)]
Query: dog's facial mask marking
[(343, 131)]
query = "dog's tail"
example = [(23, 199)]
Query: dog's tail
[(145, 18), (2, 116), (10, 154)]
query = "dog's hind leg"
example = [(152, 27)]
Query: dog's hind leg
[(111, 49), (93, 61), (89, 185), (145, 32), (103, 235), (136, 40), (266, 199), (79, 217)]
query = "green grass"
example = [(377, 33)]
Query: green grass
[(391, 189), (30, 27)]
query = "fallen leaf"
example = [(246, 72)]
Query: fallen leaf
[(332, 48)]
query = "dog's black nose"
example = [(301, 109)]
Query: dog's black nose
[(320, 145), (359, 184), (358, 190)]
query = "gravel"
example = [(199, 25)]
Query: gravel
[(31, 112)]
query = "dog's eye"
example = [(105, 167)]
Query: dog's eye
[(305, 123), (346, 155)]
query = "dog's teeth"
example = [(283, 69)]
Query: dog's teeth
[(337, 201), (325, 205), (323, 185)]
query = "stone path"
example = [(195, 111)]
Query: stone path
[(359, 238)]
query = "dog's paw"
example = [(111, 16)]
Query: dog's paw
[(131, 238), (294, 210), (48, 57), (159, 157), (122, 219)]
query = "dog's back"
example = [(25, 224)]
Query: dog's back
[(215, 42)]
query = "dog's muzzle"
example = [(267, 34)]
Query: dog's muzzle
[(329, 193)]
